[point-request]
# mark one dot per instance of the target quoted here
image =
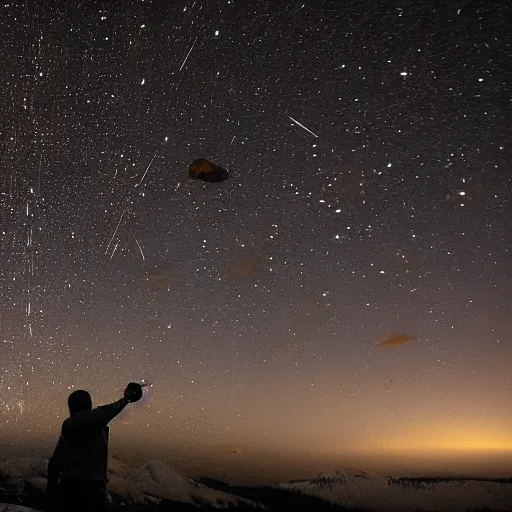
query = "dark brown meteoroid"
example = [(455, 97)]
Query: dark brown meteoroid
[(202, 169)]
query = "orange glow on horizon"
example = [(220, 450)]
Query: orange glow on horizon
[(460, 441)]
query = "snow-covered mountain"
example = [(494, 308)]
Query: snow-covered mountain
[(156, 485), (156, 481), (148, 484), (357, 489)]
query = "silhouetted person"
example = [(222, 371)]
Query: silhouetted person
[(77, 470)]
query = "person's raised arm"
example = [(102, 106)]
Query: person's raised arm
[(97, 418), (101, 416)]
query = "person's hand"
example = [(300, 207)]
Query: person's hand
[(133, 392)]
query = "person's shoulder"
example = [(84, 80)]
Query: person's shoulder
[(66, 424), (70, 423)]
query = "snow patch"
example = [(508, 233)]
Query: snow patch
[(156, 481), (353, 488), (6, 507)]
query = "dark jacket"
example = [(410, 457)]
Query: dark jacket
[(82, 449)]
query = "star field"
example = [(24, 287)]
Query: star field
[(344, 298)]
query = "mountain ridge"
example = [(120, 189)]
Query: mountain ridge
[(156, 486)]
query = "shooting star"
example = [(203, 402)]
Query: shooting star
[(146, 171), (115, 248), (302, 126), (140, 249), (191, 48), (115, 231)]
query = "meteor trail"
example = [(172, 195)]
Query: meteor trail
[(302, 126)]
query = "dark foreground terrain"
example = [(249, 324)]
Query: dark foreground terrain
[(156, 487)]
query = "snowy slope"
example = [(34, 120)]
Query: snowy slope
[(6, 507), (150, 483), (156, 481), (352, 488)]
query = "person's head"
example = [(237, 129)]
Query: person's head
[(79, 401)]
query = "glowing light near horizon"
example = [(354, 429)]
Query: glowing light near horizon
[(460, 443)]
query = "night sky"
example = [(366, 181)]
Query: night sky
[(343, 299)]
